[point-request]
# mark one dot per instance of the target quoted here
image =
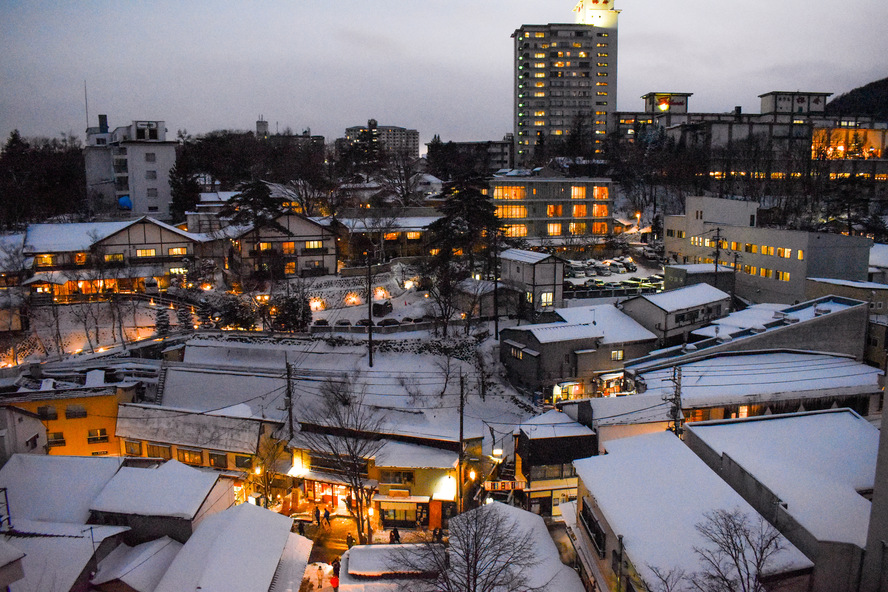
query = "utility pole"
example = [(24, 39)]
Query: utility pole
[(734, 283), (717, 253), (289, 397), (675, 399), (459, 470), (369, 311)]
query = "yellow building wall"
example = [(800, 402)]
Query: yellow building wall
[(101, 413)]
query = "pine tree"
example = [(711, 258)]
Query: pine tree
[(161, 321)]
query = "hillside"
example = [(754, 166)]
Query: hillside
[(870, 99)]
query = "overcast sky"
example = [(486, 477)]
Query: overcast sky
[(439, 67)]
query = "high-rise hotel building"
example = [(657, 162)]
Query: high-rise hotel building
[(565, 75)]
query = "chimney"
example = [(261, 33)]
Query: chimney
[(738, 110), (103, 124)]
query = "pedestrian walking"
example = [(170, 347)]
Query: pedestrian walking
[(300, 527), (391, 537), (396, 535), (318, 515), (320, 577), (350, 540), (334, 581), (336, 566), (327, 516)]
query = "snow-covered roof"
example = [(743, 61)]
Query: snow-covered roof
[(698, 268), (748, 378), (80, 236), (56, 554), (139, 567), (653, 490), (614, 325), (851, 283), (687, 297), (553, 424), (878, 255), (9, 553), (629, 410), (549, 574), (811, 461), (55, 488), (237, 549), (403, 455), (217, 196), (523, 256), (172, 490), (475, 287), (187, 428), (384, 224), (294, 562), (756, 315)]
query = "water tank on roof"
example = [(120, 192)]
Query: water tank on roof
[(124, 202)]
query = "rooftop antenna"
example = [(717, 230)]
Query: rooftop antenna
[(86, 103)]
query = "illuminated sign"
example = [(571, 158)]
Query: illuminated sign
[(504, 485)]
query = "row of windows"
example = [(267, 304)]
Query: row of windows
[(542, 35), (782, 252), (289, 248), (48, 412), (189, 456), (764, 272), (518, 192), (96, 436)]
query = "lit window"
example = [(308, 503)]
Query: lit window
[(509, 192), (577, 192), (414, 235), (750, 248), (601, 84), (617, 355), (602, 64), (178, 271), (539, 74), (539, 123), (601, 45), (539, 65), (766, 273), (783, 276), (539, 84), (539, 35), (547, 298), (146, 252), (750, 269), (553, 210), (511, 211), (290, 267), (601, 93), (599, 228), (43, 260), (539, 94), (553, 229), (801, 255), (190, 457), (313, 244), (218, 460), (178, 251), (517, 352), (599, 210), (96, 436), (539, 113), (578, 228), (579, 210), (600, 193), (392, 236), (114, 258), (784, 252), (766, 250), (288, 248), (539, 56), (515, 230)]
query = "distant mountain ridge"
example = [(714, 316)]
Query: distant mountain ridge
[(870, 99)]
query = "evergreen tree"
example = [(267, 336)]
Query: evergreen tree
[(161, 321), (184, 188)]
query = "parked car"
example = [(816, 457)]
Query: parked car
[(343, 323), (576, 271), (602, 269), (322, 323), (389, 322), (364, 323)]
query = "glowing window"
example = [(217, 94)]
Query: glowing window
[(539, 84), (784, 252), (178, 271), (515, 230), (539, 94), (43, 260), (617, 355), (600, 193), (801, 255), (599, 211), (578, 228), (553, 210), (553, 229), (263, 246), (511, 211), (539, 56), (539, 35), (546, 298), (767, 250), (290, 267), (114, 258), (539, 74), (783, 276), (539, 123), (539, 65), (178, 250), (288, 248), (577, 192), (539, 113), (599, 228), (146, 252), (414, 235), (579, 210), (509, 192), (392, 236), (750, 248), (766, 273), (313, 244)]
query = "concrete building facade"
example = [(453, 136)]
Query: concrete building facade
[(128, 169), (565, 74), (772, 264)]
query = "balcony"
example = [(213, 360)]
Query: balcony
[(96, 439), (55, 442), (318, 251)]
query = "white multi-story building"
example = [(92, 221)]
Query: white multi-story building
[(385, 137), (128, 169), (565, 75), (771, 264)]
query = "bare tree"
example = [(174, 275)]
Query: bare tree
[(269, 452), (342, 436), (486, 552), (738, 550)]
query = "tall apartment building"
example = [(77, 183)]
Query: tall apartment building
[(128, 169), (385, 137), (559, 212), (565, 74)]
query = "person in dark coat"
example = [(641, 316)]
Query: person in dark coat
[(396, 536), (327, 516), (336, 565), (318, 515), (350, 540), (300, 527)]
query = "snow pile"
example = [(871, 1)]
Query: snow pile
[(139, 567)]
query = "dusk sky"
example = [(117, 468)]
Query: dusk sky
[(443, 67)]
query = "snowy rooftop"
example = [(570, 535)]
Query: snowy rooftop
[(688, 297), (403, 455), (549, 574), (850, 283), (832, 453), (80, 236), (741, 320), (657, 521), (139, 567), (217, 196), (56, 554), (55, 488), (523, 256), (753, 377), (237, 549), (629, 409), (612, 324), (393, 224), (172, 489), (698, 268), (878, 255), (187, 428), (553, 424)]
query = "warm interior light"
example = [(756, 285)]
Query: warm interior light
[(472, 475)]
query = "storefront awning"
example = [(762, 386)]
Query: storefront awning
[(408, 499)]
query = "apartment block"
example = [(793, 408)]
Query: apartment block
[(565, 74)]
